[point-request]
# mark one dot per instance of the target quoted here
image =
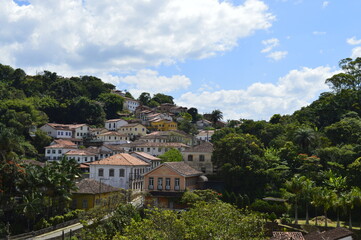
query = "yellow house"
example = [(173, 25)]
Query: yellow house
[(91, 193), (163, 125)]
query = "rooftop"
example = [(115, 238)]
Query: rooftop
[(121, 159), (91, 186), (183, 169), (203, 147)]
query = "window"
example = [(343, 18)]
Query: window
[(203, 169), (85, 159), (48, 151), (85, 203), (160, 183), (190, 157), (159, 149), (135, 129), (111, 172), (148, 149), (121, 172), (59, 151), (167, 183), (201, 158), (53, 151), (176, 183), (77, 134), (81, 128), (151, 183), (101, 172)]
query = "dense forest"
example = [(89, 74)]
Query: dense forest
[(312, 157)]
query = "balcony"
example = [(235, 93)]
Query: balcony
[(150, 187), (176, 188), (160, 187)]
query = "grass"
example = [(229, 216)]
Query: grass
[(355, 225)]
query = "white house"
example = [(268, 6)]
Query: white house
[(81, 155), (130, 104), (203, 123), (205, 135), (114, 124), (57, 151), (120, 170), (112, 137), (157, 148), (133, 129), (57, 130), (153, 161)]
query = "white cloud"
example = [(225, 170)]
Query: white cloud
[(270, 44), (318, 33), (325, 4), (278, 55), (356, 52), (117, 36), (261, 100), (149, 81), (353, 41)]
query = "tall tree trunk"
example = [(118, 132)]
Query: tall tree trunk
[(307, 218), (325, 215), (316, 216), (338, 217), (350, 220), (296, 213)]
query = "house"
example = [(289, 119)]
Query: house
[(114, 124), (339, 233), (153, 161), (57, 130), (287, 236), (163, 125), (166, 183), (91, 193), (165, 107), (94, 132), (57, 150), (168, 136), (205, 135), (133, 129), (178, 110), (121, 170), (130, 104), (203, 123), (81, 155), (112, 137), (200, 157), (156, 149)]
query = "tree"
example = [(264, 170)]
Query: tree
[(144, 98), (172, 155), (293, 190), (112, 104), (324, 198), (187, 127), (308, 188), (194, 113), (304, 137), (84, 110), (162, 98), (216, 116)]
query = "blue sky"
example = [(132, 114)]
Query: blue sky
[(250, 59)]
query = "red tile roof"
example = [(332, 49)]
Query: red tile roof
[(91, 186), (122, 159)]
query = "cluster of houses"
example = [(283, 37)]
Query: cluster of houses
[(124, 155)]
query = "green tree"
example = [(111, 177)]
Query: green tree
[(172, 155), (293, 190), (162, 98), (83, 110), (144, 98), (194, 113), (216, 116), (305, 137), (112, 104)]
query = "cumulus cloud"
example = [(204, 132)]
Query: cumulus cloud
[(325, 4), (353, 41), (270, 44), (356, 52), (118, 36), (261, 100), (277, 55), (149, 81)]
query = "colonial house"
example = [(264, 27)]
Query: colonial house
[(156, 149), (112, 137), (114, 124), (94, 132), (130, 104), (121, 170), (200, 157), (163, 125), (203, 123), (91, 193), (205, 135), (167, 182), (153, 161), (57, 130), (133, 129), (81, 155), (57, 150), (168, 136), (165, 107), (178, 110)]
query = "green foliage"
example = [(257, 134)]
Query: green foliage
[(162, 98), (144, 98), (112, 104), (193, 197), (172, 155)]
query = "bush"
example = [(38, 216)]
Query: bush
[(285, 219), (42, 224), (266, 207)]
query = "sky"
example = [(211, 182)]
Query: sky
[(249, 58)]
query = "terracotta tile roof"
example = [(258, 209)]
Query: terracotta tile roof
[(64, 142), (66, 126), (203, 147), (333, 234), (114, 147), (91, 186), (183, 169), (113, 133), (62, 146), (205, 133), (158, 144), (80, 152), (83, 165), (114, 120), (287, 236), (131, 125), (146, 155), (122, 159)]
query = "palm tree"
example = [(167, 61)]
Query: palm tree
[(293, 189), (308, 188), (304, 137), (325, 198), (351, 198), (216, 115)]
